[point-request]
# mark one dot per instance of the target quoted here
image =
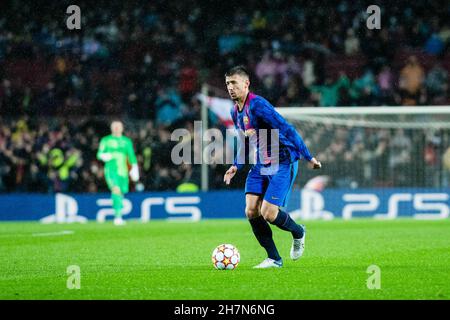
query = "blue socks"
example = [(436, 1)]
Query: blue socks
[(263, 234), (285, 222)]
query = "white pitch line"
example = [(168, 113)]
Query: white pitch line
[(48, 234), (42, 234), (12, 235)]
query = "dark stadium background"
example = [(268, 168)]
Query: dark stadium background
[(144, 62)]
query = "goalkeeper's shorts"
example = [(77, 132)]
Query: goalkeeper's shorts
[(117, 181), (276, 187)]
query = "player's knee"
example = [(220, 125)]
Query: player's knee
[(251, 212), (116, 190), (268, 213)]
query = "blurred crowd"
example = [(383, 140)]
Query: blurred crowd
[(148, 61), (359, 157), (59, 155)]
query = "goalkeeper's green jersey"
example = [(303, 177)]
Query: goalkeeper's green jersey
[(121, 150)]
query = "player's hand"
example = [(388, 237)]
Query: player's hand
[(134, 173), (229, 174), (314, 164), (105, 157)]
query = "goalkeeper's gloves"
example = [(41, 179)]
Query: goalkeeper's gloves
[(105, 157), (134, 173)]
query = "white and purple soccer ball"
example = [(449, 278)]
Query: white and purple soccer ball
[(225, 257)]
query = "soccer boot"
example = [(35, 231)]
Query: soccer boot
[(298, 246), (269, 263), (119, 222)]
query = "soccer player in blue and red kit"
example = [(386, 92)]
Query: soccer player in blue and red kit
[(268, 184)]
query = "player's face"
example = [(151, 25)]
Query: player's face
[(237, 86), (117, 128)]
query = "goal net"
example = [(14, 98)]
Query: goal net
[(379, 149)]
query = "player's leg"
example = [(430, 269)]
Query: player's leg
[(123, 184), (273, 214), (255, 188), (117, 198), (281, 219), (114, 185), (276, 196)]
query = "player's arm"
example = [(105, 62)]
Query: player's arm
[(102, 153), (239, 160), (268, 113), (134, 172)]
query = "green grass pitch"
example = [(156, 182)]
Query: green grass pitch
[(171, 260)]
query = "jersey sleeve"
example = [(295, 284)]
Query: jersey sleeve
[(265, 111), (130, 152), (102, 149)]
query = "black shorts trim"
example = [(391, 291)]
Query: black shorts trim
[(254, 193)]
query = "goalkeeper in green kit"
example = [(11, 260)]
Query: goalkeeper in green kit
[(116, 151)]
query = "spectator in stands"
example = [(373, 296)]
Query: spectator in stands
[(329, 91), (410, 82), (434, 44), (446, 165), (188, 83), (400, 158), (351, 43), (291, 68), (364, 89), (431, 158), (296, 93), (308, 73), (437, 84), (380, 165), (385, 82), (271, 89), (267, 67), (168, 106)]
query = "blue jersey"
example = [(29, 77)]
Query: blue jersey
[(257, 114)]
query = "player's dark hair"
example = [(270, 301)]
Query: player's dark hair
[(240, 70)]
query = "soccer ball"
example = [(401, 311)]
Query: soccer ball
[(225, 257)]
